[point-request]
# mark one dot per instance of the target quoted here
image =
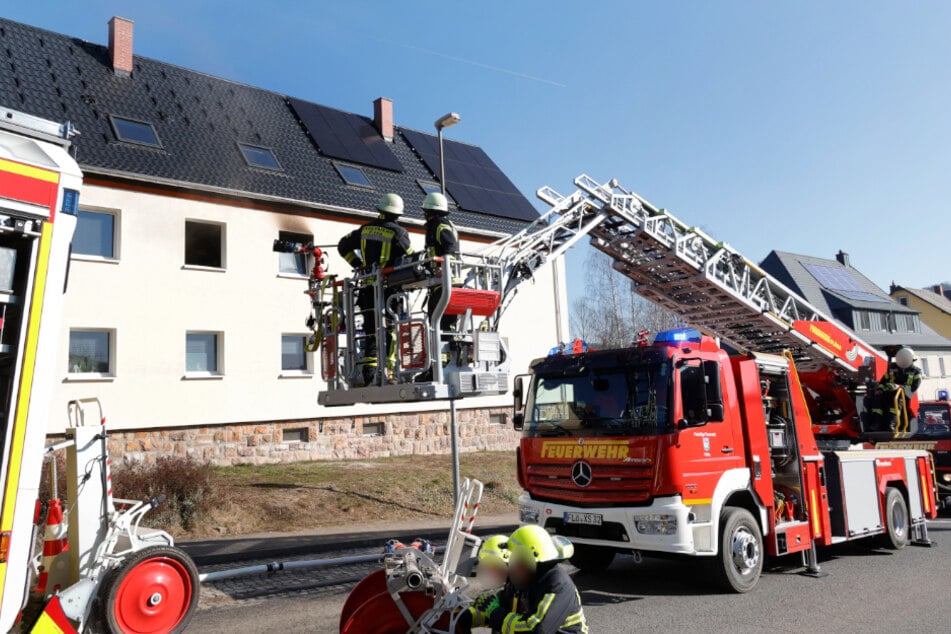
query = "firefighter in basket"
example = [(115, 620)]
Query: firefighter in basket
[(902, 374), (377, 244)]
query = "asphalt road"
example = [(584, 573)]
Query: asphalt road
[(867, 590)]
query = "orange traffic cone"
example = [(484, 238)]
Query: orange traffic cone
[(54, 543)]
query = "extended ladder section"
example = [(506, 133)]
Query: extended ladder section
[(707, 283)]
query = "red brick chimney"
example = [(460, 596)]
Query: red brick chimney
[(383, 117), (120, 45)]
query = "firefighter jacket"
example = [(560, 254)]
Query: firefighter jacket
[(441, 237), (550, 606), (896, 377), (380, 242)]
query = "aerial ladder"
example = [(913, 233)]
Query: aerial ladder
[(706, 282), (714, 288)]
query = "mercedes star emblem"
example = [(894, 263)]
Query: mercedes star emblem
[(581, 473)]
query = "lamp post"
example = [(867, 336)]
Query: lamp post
[(442, 122), (445, 121)]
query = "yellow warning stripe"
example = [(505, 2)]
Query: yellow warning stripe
[(26, 387), (698, 501), (29, 171), (815, 513)]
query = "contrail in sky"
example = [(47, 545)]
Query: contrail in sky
[(498, 69)]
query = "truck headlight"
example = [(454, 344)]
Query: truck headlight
[(527, 515), (659, 524)]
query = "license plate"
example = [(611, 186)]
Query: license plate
[(591, 519)]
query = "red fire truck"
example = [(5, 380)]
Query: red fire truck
[(683, 447), (94, 564)]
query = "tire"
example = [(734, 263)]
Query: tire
[(896, 520), (153, 591), (591, 558), (739, 562)]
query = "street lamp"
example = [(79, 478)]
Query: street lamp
[(445, 121)]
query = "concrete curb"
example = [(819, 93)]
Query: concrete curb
[(219, 551)]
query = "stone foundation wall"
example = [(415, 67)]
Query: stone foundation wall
[(321, 439)]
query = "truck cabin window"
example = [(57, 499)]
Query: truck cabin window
[(632, 402)]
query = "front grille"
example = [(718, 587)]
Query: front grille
[(614, 484)]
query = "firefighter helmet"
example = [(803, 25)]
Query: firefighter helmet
[(391, 204), (904, 358), (532, 545), (436, 202), (494, 550)]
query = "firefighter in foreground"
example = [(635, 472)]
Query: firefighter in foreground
[(902, 374), (539, 597), (380, 243)]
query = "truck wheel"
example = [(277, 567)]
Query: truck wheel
[(153, 591), (591, 558), (896, 520), (740, 561)]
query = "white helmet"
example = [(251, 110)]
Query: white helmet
[(905, 357), (391, 204), (436, 202)]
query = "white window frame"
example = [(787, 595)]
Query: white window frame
[(286, 274), (116, 233), (219, 354), (224, 246), (308, 372), (93, 376), (925, 367)]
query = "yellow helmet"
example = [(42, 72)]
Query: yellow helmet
[(533, 545), (493, 550)]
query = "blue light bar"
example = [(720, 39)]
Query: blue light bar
[(70, 202), (680, 335)]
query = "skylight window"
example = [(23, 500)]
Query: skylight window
[(353, 175), (430, 187), (257, 156), (132, 131)]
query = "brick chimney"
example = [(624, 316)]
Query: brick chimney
[(383, 117), (843, 258), (120, 46)]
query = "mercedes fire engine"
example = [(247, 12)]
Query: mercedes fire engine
[(93, 563), (686, 448)]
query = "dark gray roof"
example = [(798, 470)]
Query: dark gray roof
[(199, 120), (790, 269)]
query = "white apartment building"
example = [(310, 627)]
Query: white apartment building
[(179, 316)]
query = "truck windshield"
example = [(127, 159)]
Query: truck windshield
[(628, 402)]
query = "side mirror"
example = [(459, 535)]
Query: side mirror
[(518, 421), (693, 395), (518, 393)]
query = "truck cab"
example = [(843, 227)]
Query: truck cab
[(679, 448)]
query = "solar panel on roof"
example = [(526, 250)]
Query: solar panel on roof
[(344, 135), (864, 296), (473, 179), (832, 277)]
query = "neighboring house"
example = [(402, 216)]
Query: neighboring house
[(842, 292), (179, 316), (934, 305)]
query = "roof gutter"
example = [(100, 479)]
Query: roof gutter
[(226, 191)]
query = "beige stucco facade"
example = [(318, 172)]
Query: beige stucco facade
[(148, 300)]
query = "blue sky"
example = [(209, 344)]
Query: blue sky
[(806, 127)]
